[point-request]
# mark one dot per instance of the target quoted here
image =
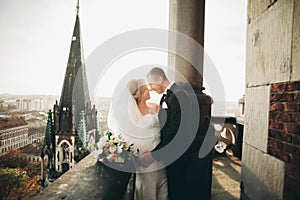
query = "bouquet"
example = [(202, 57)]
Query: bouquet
[(112, 148)]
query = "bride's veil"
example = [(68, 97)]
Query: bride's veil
[(124, 116), (123, 113)]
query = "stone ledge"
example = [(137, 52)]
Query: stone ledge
[(80, 182)]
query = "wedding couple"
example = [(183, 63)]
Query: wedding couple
[(155, 126)]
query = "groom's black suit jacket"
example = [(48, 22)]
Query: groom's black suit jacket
[(171, 118)]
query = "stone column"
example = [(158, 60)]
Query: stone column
[(187, 17)]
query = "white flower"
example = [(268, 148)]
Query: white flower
[(120, 148), (112, 148), (100, 151), (103, 140)]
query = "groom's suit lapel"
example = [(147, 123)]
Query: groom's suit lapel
[(170, 92), (164, 112)]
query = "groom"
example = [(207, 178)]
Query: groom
[(171, 115)]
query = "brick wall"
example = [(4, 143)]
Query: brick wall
[(284, 133)]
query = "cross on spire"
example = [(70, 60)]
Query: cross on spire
[(77, 7)]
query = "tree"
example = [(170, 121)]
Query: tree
[(1, 105), (11, 180)]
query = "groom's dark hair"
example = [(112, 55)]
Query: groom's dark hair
[(156, 72)]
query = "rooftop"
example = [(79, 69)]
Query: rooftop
[(11, 123)]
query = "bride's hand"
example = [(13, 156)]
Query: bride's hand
[(146, 159)]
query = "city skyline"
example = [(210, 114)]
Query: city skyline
[(35, 50)]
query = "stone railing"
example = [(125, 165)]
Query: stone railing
[(230, 133)]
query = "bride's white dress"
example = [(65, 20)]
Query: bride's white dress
[(151, 182), (143, 131)]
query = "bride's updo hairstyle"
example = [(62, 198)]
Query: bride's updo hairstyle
[(137, 87)]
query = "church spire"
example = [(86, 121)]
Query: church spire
[(77, 7), (75, 95)]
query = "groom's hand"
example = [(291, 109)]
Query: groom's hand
[(146, 159)]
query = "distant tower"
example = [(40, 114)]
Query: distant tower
[(74, 107)]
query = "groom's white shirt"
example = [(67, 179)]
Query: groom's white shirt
[(164, 105)]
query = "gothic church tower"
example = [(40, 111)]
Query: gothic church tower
[(74, 120)]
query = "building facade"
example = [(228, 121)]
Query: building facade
[(13, 134)]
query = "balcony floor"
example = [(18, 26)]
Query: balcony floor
[(226, 178)]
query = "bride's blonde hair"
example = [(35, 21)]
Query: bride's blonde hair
[(137, 87)]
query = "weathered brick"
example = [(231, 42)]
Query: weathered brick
[(274, 133), (278, 87), (291, 149), (295, 160), (276, 106), (296, 140), (277, 117), (280, 136), (292, 86), (296, 118), (292, 171), (279, 154), (291, 128), (286, 137), (282, 97), (297, 97), (273, 152), (285, 117), (272, 114), (276, 125), (274, 144), (285, 157), (291, 107)]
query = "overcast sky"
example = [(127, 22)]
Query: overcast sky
[(35, 39)]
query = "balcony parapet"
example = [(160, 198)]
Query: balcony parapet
[(230, 133), (80, 182)]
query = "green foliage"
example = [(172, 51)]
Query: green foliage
[(11, 161), (11, 180)]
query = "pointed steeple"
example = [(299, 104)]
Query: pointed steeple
[(75, 95), (75, 124)]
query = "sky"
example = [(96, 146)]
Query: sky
[(35, 37)]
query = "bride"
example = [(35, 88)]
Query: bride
[(140, 127)]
